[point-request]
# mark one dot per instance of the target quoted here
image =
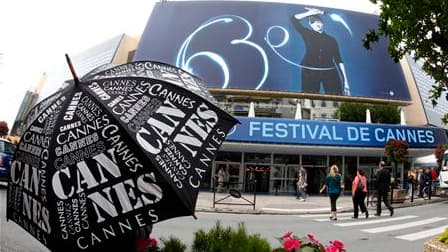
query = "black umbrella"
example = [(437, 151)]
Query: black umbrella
[(124, 147)]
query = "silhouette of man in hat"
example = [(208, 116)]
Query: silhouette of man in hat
[(322, 63)]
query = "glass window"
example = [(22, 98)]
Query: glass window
[(228, 156), (283, 178), (286, 159), (316, 167), (335, 160), (257, 158), (234, 175), (323, 104), (350, 167), (314, 160), (445, 164), (369, 165), (6, 147)]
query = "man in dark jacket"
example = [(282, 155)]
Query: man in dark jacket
[(425, 181), (382, 188)]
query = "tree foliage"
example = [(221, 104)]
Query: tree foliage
[(385, 114), (352, 112), (3, 128), (396, 151), (356, 112), (418, 28)]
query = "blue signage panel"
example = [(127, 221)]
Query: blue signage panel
[(273, 47), (310, 132)]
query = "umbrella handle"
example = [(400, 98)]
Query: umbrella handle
[(195, 217)]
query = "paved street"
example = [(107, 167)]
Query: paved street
[(407, 230), (412, 224)]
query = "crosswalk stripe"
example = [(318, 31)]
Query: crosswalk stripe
[(340, 218), (294, 210), (322, 215), (405, 225), (422, 234), (367, 222)]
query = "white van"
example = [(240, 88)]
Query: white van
[(443, 176)]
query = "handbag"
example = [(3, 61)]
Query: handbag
[(360, 185)]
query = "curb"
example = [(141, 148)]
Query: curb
[(280, 211)]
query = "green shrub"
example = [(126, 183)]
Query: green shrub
[(172, 244), (256, 243), (443, 237), (221, 239), (200, 242)]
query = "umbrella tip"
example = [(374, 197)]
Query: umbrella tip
[(72, 69)]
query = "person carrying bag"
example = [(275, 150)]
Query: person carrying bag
[(359, 192)]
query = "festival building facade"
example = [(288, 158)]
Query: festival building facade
[(293, 65), (283, 70)]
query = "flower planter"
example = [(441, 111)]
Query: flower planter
[(399, 195), (434, 246)]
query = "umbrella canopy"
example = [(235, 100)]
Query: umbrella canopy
[(124, 147)]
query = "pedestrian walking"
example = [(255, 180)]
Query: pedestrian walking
[(226, 179), (425, 179), (334, 188), (359, 192), (434, 179), (382, 187), (302, 184), (412, 177), (434, 174), (221, 179)]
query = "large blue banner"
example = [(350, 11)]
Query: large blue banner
[(307, 132), (273, 47)]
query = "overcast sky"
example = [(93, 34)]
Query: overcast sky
[(35, 33)]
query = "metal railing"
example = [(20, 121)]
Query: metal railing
[(235, 193)]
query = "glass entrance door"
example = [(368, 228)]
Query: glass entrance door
[(257, 177), (283, 178), (316, 167), (233, 173)]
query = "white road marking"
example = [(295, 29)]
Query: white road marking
[(322, 215), (423, 234), (368, 222), (344, 218), (402, 226), (297, 210)]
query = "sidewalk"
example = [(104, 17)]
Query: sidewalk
[(287, 204)]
